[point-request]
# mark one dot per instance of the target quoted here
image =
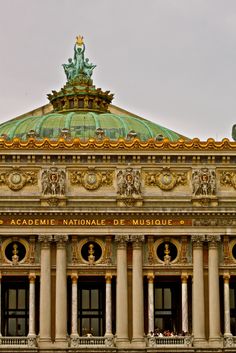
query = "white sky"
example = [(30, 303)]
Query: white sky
[(170, 61)]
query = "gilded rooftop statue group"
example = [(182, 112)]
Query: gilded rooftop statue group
[(80, 65)]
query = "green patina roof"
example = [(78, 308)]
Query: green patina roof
[(84, 125)]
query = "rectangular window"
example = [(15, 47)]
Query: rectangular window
[(15, 307), (91, 308)]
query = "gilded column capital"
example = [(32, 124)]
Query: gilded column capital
[(32, 278), (74, 278), (184, 277), (137, 240), (150, 277), (226, 277), (213, 240), (45, 240), (197, 240), (61, 240), (122, 240), (108, 278)]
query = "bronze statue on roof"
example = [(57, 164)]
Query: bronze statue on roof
[(80, 65)]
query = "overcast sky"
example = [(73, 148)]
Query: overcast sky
[(170, 61)]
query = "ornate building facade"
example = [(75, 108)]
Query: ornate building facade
[(116, 234)]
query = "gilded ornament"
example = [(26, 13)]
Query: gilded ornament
[(166, 179), (204, 182), (16, 179), (92, 179), (53, 181), (228, 178)]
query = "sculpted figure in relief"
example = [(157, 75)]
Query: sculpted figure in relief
[(129, 182), (204, 182), (53, 181)]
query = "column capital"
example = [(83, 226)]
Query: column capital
[(150, 277), (74, 278), (184, 277), (45, 240), (61, 240), (226, 277), (197, 240), (137, 240), (213, 240), (121, 240), (32, 277), (108, 277)]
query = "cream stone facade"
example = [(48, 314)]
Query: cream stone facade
[(107, 244)]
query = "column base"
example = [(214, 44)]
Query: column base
[(138, 342), (200, 342), (61, 343), (122, 342), (45, 342), (215, 342), (32, 341)]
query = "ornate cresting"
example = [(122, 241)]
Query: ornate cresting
[(79, 93)]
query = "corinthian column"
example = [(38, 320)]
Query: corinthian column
[(108, 306), (122, 291), (61, 290), (214, 291), (150, 303), (184, 279), (137, 291), (45, 290), (226, 306), (198, 291), (32, 278)]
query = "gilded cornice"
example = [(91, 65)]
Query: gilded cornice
[(121, 144)]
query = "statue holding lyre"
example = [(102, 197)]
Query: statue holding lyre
[(80, 65)]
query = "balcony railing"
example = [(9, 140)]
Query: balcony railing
[(18, 341), (156, 341), (97, 341)]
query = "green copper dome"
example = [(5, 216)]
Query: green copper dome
[(84, 125), (80, 110)]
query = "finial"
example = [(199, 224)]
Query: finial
[(79, 40)]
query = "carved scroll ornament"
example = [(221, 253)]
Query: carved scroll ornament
[(16, 179), (165, 179), (92, 179), (228, 178)]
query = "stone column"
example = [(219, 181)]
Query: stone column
[(74, 311), (198, 291), (184, 279), (45, 290), (137, 291), (122, 292), (150, 303), (108, 306), (227, 331), (61, 291), (214, 290), (32, 278)]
